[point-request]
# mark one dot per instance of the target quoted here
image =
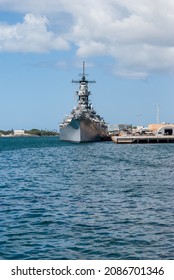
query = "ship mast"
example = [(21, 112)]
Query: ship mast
[(83, 77), (83, 70), (83, 92)]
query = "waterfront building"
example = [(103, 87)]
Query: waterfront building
[(19, 132), (162, 128)]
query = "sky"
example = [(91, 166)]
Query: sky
[(128, 48)]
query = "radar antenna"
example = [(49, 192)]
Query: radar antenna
[(83, 77)]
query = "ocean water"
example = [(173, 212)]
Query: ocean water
[(85, 201)]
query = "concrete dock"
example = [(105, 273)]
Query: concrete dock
[(130, 139)]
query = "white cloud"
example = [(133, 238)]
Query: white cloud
[(30, 36), (137, 34)]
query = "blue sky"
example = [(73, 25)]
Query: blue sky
[(128, 47)]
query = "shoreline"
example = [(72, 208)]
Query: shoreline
[(27, 135)]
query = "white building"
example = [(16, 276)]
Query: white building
[(166, 130), (162, 129), (19, 132)]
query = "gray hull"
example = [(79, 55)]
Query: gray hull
[(83, 131)]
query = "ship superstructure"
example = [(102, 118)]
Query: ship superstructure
[(83, 124)]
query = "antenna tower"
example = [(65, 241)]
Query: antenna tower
[(158, 114)]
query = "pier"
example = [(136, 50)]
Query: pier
[(130, 139)]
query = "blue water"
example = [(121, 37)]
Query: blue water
[(85, 201)]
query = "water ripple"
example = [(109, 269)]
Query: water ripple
[(91, 201)]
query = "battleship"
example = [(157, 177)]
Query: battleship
[(83, 124)]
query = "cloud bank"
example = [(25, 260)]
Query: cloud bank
[(138, 35), (30, 36)]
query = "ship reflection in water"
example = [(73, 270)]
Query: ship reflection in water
[(83, 124)]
